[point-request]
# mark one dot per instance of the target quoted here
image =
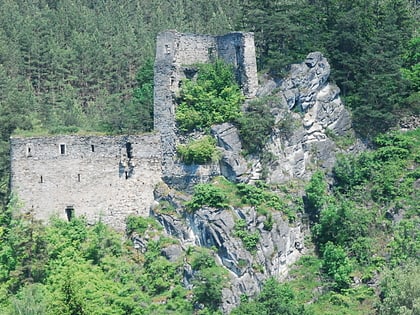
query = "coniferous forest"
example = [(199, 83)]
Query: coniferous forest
[(86, 66)]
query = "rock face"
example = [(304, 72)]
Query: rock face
[(309, 117), (276, 249), (232, 165)]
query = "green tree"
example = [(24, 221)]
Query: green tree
[(255, 125), (31, 300), (316, 195), (274, 299), (400, 290), (337, 265)]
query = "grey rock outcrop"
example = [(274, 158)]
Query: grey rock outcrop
[(309, 117), (277, 248), (232, 164)]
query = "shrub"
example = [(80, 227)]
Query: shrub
[(255, 126), (200, 151), (138, 224), (337, 265), (249, 239), (213, 98), (207, 195), (316, 192)]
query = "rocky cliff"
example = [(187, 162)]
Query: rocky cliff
[(278, 245), (311, 125)]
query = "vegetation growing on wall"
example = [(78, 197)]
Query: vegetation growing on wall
[(213, 98)]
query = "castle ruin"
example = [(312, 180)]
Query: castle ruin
[(108, 178), (176, 55)]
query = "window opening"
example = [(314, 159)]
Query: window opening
[(126, 175), (167, 49), (129, 149), (78, 178), (41, 180), (62, 149), (29, 150), (70, 212), (92, 147)]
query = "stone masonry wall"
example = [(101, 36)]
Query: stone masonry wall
[(99, 177)]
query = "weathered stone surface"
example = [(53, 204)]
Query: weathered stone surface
[(232, 165), (214, 228), (172, 252), (99, 177), (309, 112), (175, 51)]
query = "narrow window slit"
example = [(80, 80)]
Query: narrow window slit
[(129, 149)]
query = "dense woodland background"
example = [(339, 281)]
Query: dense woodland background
[(86, 66)]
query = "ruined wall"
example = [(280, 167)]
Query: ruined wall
[(99, 177), (109, 178), (175, 53)]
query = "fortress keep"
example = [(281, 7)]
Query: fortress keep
[(108, 178)]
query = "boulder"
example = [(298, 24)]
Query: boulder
[(232, 164)]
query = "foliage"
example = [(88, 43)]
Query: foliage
[(315, 195), (384, 168), (139, 224), (264, 198), (199, 151), (255, 125), (249, 239), (406, 242), (30, 300), (367, 44), (86, 65), (337, 265), (400, 290), (274, 299), (208, 281), (207, 195), (214, 97)]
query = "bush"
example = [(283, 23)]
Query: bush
[(213, 98), (316, 194), (138, 224), (207, 195), (255, 126), (200, 151), (337, 265)]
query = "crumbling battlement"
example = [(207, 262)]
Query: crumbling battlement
[(99, 177)]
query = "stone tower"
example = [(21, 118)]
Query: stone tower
[(175, 55)]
